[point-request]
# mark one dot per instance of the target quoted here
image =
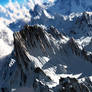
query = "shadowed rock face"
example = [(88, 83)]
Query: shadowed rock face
[(30, 35), (71, 85), (79, 52)]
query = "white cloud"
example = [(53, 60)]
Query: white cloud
[(6, 40), (13, 11), (51, 0)]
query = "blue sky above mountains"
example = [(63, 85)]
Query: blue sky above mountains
[(4, 2)]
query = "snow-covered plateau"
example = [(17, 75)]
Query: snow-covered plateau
[(46, 46)]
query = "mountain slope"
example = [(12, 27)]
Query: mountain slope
[(40, 55)]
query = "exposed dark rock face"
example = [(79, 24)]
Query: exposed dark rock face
[(34, 34), (71, 85), (74, 46), (79, 52), (55, 33), (37, 11), (39, 86)]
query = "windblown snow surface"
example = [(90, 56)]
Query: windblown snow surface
[(46, 47)]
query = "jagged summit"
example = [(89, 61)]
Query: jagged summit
[(37, 10), (38, 36)]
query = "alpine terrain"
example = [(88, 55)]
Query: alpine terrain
[(46, 46)]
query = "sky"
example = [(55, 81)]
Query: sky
[(3, 2)]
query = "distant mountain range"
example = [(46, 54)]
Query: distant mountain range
[(67, 7)]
